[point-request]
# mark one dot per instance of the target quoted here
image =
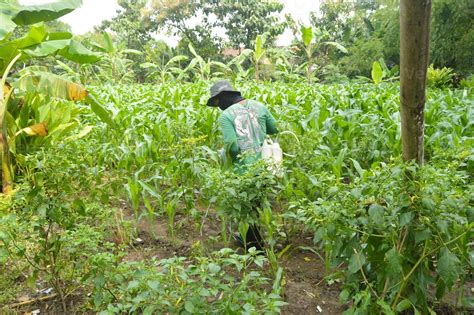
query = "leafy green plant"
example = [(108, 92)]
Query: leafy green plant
[(439, 78), (468, 82), (170, 209), (311, 42), (202, 69), (208, 283), (167, 71), (395, 241), (114, 64), (51, 235), (36, 43), (377, 72), (259, 52), (242, 193)]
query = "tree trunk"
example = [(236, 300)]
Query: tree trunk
[(414, 50)]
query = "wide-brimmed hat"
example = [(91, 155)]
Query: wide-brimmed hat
[(219, 87)]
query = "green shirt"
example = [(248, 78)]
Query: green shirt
[(244, 127)]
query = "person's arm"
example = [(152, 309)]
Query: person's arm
[(270, 123), (230, 137)]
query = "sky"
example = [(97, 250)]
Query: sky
[(93, 12)]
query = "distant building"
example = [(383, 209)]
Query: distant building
[(234, 52), (231, 52)]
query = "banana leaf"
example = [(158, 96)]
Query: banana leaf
[(36, 81), (10, 49), (307, 35), (6, 26), (32, 14), (67, 48)]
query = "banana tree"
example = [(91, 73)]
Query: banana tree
[(258, 54), (37, 42), (311, 44), (114, 65), (234, 68), (32, 119), (166, 71), (204, 69)]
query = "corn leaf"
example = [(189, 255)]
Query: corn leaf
[(81, 134)]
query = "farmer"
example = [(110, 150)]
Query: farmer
[(244, 124)]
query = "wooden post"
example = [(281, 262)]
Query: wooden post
[(414, 50)]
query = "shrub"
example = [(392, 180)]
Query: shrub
[(440, 78)]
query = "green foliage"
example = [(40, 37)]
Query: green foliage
[(374, 219), (173, 17), (439, 78), (253, 16), (399, 230), (243, 193), (372, 32), (452, 35), (244, 20), (168, 71), (131, 31), (468, 82), (360, 57), (116, 64), (377, 73), (37, 41), (28, 15), (48, 235), (206, 285), (128, 24)]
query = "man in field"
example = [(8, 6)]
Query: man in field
[(244, 125)]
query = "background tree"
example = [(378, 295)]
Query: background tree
[(452, 39), (129, 26), (371, 30), (244, 20), (178, 18), (209, 25), (130, 30)]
